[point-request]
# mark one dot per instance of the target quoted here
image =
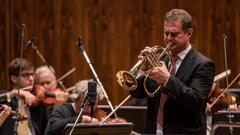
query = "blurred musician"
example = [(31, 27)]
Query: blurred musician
[(45, 81), (228, 101), (26, 98), (46, 78), (68, 112)]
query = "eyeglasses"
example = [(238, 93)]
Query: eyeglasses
[(27, 75)]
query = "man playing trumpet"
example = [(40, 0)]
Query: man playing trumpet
[(179, 106)]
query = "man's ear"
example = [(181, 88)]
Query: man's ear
[(13, 79), (190, 32)]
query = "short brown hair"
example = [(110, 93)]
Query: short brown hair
[(14, 66), (176, 14)]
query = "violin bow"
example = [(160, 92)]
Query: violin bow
[(115, 109), (66, 74)]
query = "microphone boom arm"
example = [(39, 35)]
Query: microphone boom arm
[(80, 45), (34, 47)]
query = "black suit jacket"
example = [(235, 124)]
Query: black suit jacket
[(184, 110)]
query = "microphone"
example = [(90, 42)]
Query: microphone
[(31, 45), (23, 27), (79, 43), (92, 86)]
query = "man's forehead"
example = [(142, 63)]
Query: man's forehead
[(45, 77), (174, 21), (28, 70), (172, 25)]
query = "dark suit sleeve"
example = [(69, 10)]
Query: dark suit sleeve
[(59, 118), (3, 97), (139, 92), (192, 91)]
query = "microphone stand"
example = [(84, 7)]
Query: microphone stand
[(34, 47), (18, 80), (80, 46), (79, 115), (225, 56), (226, 66)]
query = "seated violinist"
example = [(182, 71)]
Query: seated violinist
[(23, 81), (45, 82), (47, 79), (68, 112)]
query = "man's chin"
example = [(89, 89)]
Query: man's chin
[(171, 48)]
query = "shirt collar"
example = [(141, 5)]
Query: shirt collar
[(183, 53)]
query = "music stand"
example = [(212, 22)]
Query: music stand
[(223, 117), (105, 129)]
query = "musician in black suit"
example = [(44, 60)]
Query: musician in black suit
[(184, 91), (25, 80), (67, 113), (36, 112)]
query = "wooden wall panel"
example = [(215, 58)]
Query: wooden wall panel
[(4, 41), (113, 33)]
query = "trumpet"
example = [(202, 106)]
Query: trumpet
[(128, 79)]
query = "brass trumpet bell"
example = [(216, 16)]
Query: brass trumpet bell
[(128, 79)]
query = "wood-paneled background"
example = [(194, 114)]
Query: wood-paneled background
[(113, 31)]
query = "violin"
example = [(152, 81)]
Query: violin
[(99, 114), (222, 103), (46, 97), (17, 115)]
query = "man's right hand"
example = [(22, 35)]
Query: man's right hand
[(29, 98), (88, 119), (142, 56)]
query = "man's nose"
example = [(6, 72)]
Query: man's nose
[(31, 78), (46, 86), (169, 37)]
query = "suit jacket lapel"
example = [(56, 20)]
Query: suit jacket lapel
[(186, 64)]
